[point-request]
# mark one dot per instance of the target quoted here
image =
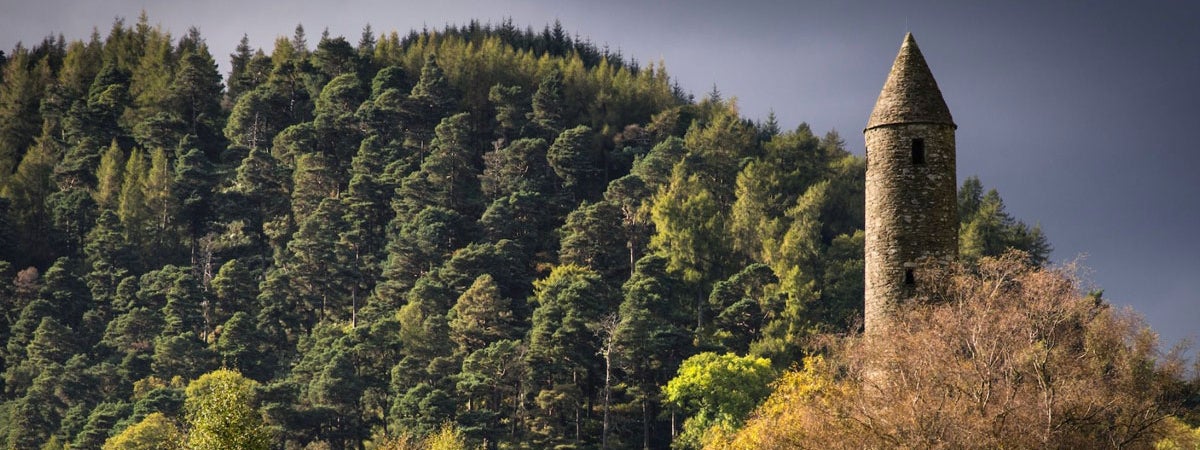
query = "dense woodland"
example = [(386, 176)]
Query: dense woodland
[(512, 236)]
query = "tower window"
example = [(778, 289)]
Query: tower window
[(918, 151), (909, 278)]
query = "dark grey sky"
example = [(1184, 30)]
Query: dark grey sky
[(1082, 114)]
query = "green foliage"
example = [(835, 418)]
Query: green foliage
[(482, 236), (221, 415), (718, 391), (988, 230), (154, 432)]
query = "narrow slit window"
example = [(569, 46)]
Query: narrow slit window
[(918, 151), (909, 278)]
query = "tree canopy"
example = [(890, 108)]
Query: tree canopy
[(480, 235)]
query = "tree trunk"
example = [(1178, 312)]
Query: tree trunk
[(607, 395)]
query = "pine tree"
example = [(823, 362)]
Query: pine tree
[(196, 94), (52, 343), (512, 110), (480, 316), (317, 267), (573, 158), (241, 75), (563, 351), (241, 348), (256, 119), (108, 258), (191, 186), (521, 166), (652, 333), (448, 176), (430, 101), (593, 237), (27, 192), (547, 111)]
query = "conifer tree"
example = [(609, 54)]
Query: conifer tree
[(512, 110), (547, 110), (430, 101), (448, 176), (241, 77), (196, 94), (131, 206), (27, 192), (255, 118), (19, 117), (480, 316), (191, 186), (653, 334), (593, 237), (161, 208), (101, 420), (563, 351), (573, 158), (109, 177), (108, 258), (316, 267)]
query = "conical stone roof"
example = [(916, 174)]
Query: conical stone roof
[(910, 95)]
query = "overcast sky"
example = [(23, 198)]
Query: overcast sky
[(1082, 114)]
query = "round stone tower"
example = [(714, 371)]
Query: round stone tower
[(911, 205)]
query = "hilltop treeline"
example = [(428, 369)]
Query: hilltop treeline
[(511, 232)]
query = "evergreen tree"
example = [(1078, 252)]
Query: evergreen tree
[(988, 230), (653, 335), (448, 177), (512, 110), (367, 214), (430, 101), (261, 186), (241, 77), (108, 257), (547, 111), (255, 118), (480, 316), (196, 94), (335, 57), (593, 237), (101, 420), (191, 186), (27, 192), (52, 343), (317, 271), (336, 127), (520, 166), (574, 160), (241, 348), (563, 351)]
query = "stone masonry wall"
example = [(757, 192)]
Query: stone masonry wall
[(911, 211)]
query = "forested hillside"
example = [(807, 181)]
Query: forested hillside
[(515, 233)]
